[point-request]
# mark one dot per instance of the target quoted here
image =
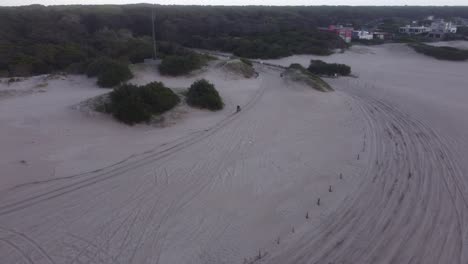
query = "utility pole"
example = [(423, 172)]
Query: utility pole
[(154, 34)]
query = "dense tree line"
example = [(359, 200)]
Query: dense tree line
[(37, 39), (441, 53)]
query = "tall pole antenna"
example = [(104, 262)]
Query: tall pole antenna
[(154, 34)]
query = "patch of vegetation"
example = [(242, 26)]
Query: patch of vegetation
[(463, 31), (109, 72), (203, 94), (178, 60), (158, 97), (322, 68), (133, 104), (276, 45), (441, 53), (39, 39), (246, 61), (176, 65), (298, 73)]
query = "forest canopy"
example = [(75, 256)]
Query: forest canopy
[(37, 39)]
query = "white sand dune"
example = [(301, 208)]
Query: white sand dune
[(384, 154)]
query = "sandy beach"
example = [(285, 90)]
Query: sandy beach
[(373, 172)]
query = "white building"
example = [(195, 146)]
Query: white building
[(361, 34), (414, 30), (441, 26)]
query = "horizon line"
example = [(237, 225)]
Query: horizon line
[(144, 3)]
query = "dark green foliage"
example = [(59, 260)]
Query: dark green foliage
[(114, 76), (175, 65), (203, 94), (109, 72), (180, 61), (322, 68), (97, 66), (441, 53), (37, 39), (158, 97), (463, 31), (275, 45), (133, 104), (139, 50), (127, 105)]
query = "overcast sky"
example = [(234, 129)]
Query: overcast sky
[(239, 2)]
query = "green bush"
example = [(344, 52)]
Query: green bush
[(176, 65), (97, 65), (158, 97), (322, 68), (203, 94), (441, 53), (128, 106), (133, 104), (109, 72)]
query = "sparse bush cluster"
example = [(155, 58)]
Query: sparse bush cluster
[(182, 61), (441, 53), (322, 68), (202, 94), (109, 72), (133, 104), (297, 72)]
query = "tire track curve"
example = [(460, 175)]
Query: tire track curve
[(411, 209), (120, 170)]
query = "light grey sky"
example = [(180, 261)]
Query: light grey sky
[(239, 2)]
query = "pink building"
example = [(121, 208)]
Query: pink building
[(345, 33)]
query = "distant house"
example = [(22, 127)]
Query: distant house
[(414, 30), (440, 26), (437, 30), (361, 34), (345, 33), (382, 35)]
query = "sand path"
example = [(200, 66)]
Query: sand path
[(217, 196)]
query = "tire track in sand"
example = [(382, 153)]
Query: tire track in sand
[(412, 209), (125, 167)]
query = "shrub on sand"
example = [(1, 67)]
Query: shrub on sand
[(322, 68), (133, 104), (110, 73), (128, 106), (202, 94), (158, 97)]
